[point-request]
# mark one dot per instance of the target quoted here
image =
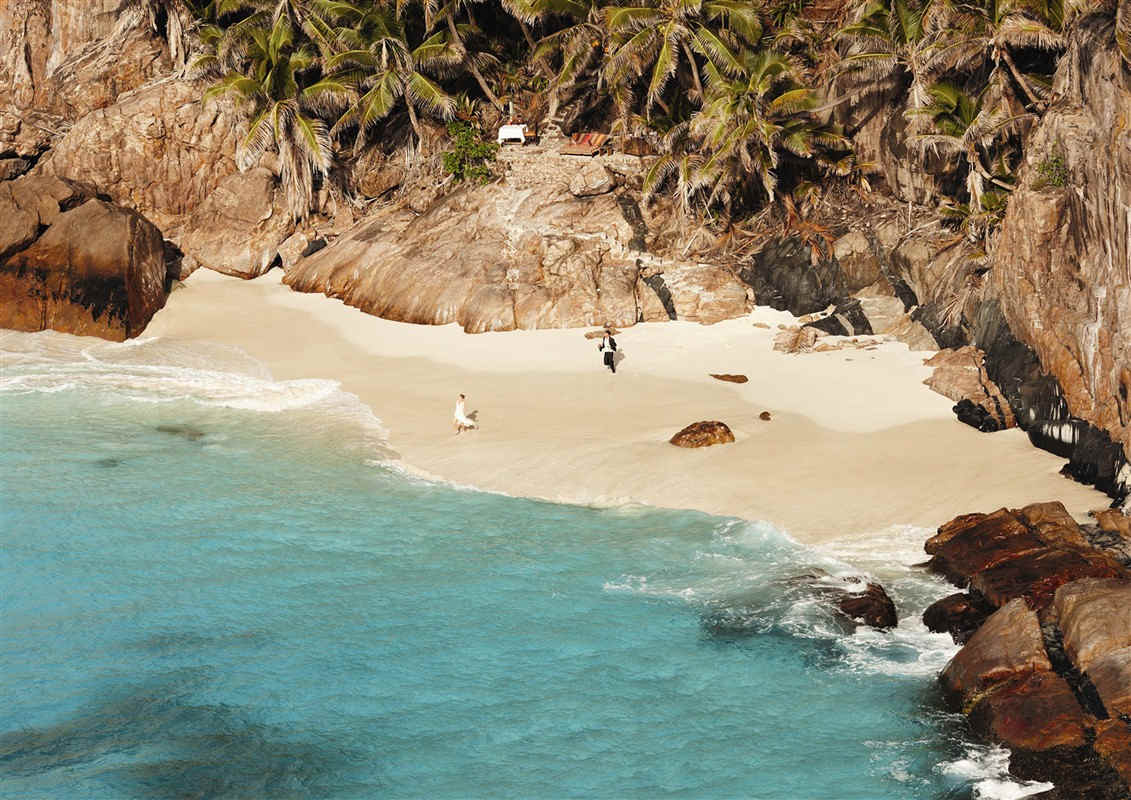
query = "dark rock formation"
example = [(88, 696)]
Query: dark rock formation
[(961, 375), (1026, 553), (871, 606), (730, 378), (1047, 673), (957, 614), (98, 270), (703, 434)]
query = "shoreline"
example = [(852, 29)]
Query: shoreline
[(856, 443)]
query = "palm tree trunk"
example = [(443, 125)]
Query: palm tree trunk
[(474, 70), (694, 71), (1020, 79), (415, 122)]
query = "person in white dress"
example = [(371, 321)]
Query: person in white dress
[(463, 421)]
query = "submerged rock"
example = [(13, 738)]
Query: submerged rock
[(184, 431)]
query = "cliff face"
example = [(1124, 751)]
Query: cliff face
[(60, 59), (1062, 266)]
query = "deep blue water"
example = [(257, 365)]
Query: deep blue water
[(214, 585)]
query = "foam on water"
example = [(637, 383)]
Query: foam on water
[(342, 626), (987, 769), (156, 371)]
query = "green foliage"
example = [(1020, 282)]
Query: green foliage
[(470, 157), (1053, 171)]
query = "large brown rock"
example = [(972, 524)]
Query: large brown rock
[(1008, 646), (29, 204), (522, 252), (703, 434), (99, 270), (1094, 615), (1111, 675), (1062, 266), (1037, 574), (1035, 712), (239, 227), (961, 552), (157, 151)]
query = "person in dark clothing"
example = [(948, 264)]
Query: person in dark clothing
[(609, 346)]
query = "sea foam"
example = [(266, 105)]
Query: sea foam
[(157, 371)]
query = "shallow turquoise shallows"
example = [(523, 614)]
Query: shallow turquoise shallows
[(214, 594)]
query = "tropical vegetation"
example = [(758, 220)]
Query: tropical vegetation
[(748, 104)]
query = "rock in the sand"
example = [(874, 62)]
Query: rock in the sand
[(1095, 617), (98, 270), (703, 434), (764, 416), (796, 340), (1009, 645), (729, 378), (1032, 712), (957, 614), (872, 606)]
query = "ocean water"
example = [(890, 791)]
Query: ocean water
[(213, 584)]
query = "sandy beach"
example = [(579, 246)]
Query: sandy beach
[(856, 443)]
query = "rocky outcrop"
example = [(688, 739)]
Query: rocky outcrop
[(1047, 673), (703, 434), (157, 151), (1021, 553), (1062, 267), (97, 270), (520, 253), (240, 226), (961, 375)]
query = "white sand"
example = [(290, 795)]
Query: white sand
[(856, 444)]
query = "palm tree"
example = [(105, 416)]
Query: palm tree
[(970, 128), (747, 122), (378, 69), (271, 91), (577, 45), (984, 33), (446, 12), (888, 47), (661, 39)]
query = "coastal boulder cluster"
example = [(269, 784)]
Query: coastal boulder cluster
[(1046, 622)]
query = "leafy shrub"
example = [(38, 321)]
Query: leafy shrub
[(1053, 171), (470, 157)]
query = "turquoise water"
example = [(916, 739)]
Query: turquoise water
[(215, 585)]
